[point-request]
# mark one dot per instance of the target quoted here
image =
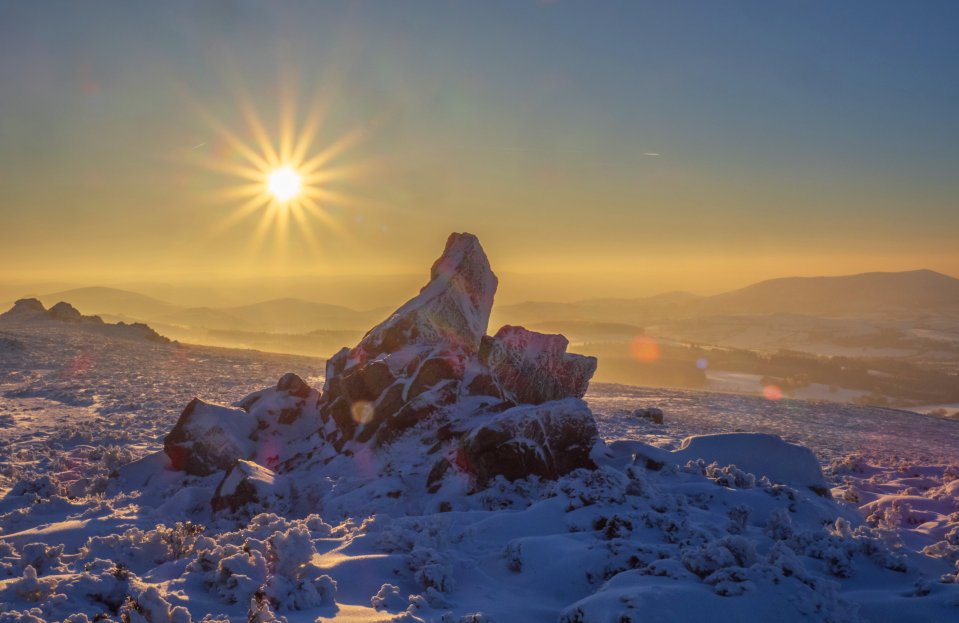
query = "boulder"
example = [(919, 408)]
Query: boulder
[(208, 438), (546, 440), (248, 486), (293, 385), (760, 454), (653, 414), (533, 368)]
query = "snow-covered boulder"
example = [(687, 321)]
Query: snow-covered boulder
[(532, 368), (759, 454), (208, 438), (248, 486), (547, 440)]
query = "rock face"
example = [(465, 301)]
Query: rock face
[(507, 405)]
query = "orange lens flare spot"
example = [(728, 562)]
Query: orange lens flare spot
[(772, 392), (362, 411), (645, 349)]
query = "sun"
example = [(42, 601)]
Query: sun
[(284, 183), (286, 179)]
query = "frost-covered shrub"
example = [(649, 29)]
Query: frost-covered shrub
[(279, 566), (31, 588), (779, 526), (729, 551), (388, 598), (26, 616), (603, 486), (431, 569), (738, 518), (501, 493), (42, 557), (261, 611), (138, 548), (513, 555), (36, 488), (729, 476), (150, 607), (849, 464)]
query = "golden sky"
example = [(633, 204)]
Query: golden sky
[(620, 153)]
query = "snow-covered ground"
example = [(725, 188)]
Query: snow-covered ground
[(745, 383), (653, 535)]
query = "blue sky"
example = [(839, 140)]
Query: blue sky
[(791, 137)]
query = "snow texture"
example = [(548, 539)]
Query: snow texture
[(668, 522)]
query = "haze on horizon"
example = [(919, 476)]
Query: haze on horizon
[(697, 150)]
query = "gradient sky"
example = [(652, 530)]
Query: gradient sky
[(616, 148)]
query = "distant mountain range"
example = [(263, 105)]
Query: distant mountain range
[(922, 290), (912, 291)]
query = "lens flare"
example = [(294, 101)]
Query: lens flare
[(772, 392), (645, 349), (362, 411)]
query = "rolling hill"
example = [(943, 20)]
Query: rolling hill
[(924, 290)]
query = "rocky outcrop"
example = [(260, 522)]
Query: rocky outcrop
[(24, 310), (31, 311), (502, 406), (415, 361)]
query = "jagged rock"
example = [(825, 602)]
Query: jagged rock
[(208, 438), (546, 440), (533, 368), (420, 349), (653, 414), (452, 309), (507, 405), (248, 486), (65, 312)]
